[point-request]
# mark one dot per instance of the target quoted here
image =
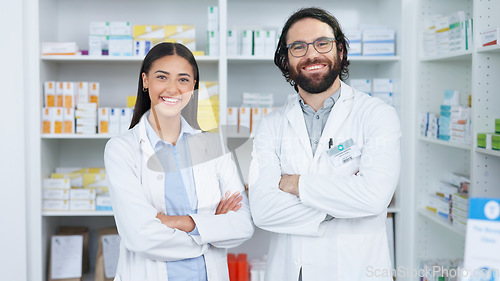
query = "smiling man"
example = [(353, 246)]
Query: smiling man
[(325, 166)]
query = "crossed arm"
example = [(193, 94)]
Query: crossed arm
[(187, 224)]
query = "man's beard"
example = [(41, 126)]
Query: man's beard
[(315, 84)]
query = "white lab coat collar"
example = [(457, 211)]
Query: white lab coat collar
[(339, 113)]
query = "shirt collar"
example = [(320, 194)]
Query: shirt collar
[(328, 104), (153, 137)]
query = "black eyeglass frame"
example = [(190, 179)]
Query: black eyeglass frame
[(313, 43)]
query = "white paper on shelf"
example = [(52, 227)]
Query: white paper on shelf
[(66, 256), (110, 253)]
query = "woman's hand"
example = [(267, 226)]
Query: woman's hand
[(229, 204), (184, 223)]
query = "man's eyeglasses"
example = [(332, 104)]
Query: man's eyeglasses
[(321, 45)]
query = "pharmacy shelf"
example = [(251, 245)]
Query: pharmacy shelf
[(77, 213), (77, 136), (440, 221), (70, 58), (489, 49), (488, 151), (446, 143), (455, 56), (351, 58)]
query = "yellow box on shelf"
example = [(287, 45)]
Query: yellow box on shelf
[(163, 31)]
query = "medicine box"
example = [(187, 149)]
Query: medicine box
[(82, 205), (212, 43), (363, 85), (59, 94), (213, 18), (103, 120), (55, 193), (94, 92), (99, 28), (69, 95), (497, 126), (121, 46), (69, 121), (383, 85), (47, 124), (82, 194), (233, 43), (49, 91), (59, 48), (120, 28), (378, 49), (354, 37), (82, 93), (56, 183), (259, 43), (125, 119), (103, 203), (55, 205), (270, 43), (57, 117), (247, 43), (114, 120), (256, 116)]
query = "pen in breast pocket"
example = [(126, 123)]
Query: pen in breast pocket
[(330, 143)]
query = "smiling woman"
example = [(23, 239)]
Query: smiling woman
[(175, 201)]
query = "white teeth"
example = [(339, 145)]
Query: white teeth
[(169, 99), (314, 67)]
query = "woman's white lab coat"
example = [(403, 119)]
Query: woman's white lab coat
[(136, 184), (353, 245)]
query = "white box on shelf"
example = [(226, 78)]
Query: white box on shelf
[(94, 92), (125, 119), (55, 194), (233, 42), (213, 18), (59, 93), (120, 28), (55, 205), (363, 85), (213, 43), (270, 43), (59, 48), (69, 95), (103, 120), (56, 183), (259, 46), (47, 121), (247, 42), (114, 120), (82, 205), (99, 28), (82, 194), (103, 203), (49, 93), (82, 93), (121, 46), (378, 49), (57, 117), (383, 85), (69, 121)]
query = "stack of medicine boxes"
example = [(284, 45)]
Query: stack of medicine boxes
[(378, 42), (120, 39), (86, 110), (98, 38), (247, 42), (490, 140), (213, 31), (145, 36)]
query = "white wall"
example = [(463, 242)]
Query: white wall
[(12, 145)]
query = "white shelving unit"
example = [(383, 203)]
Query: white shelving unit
[(67, 20), (471, 72)]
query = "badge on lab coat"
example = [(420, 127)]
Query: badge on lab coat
[(343, 152)]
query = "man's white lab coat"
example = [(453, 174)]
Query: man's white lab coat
[(353, 245), (136, 184)]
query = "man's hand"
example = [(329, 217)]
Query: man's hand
[(290, 184), (184, 223), (229, 204)]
